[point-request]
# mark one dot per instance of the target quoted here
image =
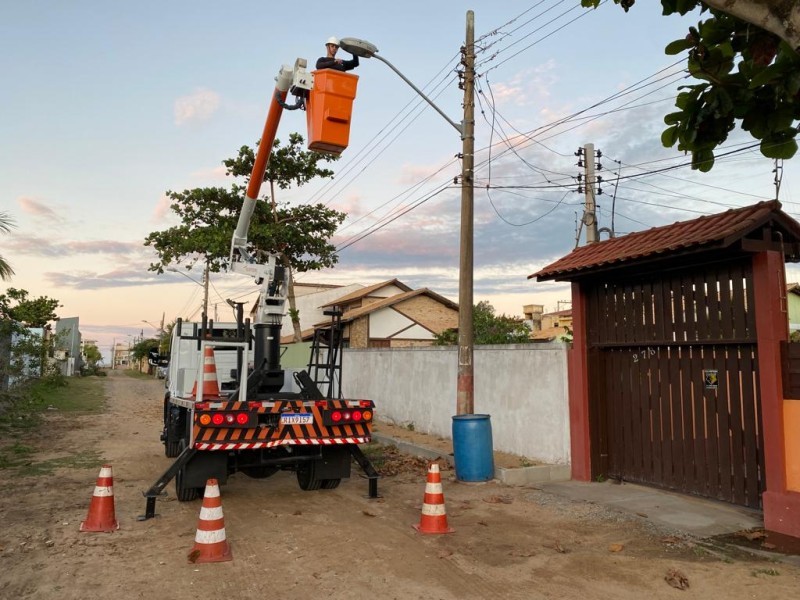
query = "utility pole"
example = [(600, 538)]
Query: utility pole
[(205, 290), (590, 213), (465, 401)]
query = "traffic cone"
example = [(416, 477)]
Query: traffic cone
[(210, 385), (101, 510), (210, 544), (434, 516)]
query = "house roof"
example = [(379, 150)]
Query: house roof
[(391, 301), (548, 333), (717, 231), (559, 313), (364, 292)]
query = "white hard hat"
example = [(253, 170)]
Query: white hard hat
[(332, 40)]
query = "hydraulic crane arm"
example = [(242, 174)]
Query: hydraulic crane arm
[(267, 273)]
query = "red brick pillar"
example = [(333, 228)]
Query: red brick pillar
[(781, 506)]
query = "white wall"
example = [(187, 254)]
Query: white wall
[(523, 387)]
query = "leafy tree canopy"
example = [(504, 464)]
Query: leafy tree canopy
[(35, 312), (209, 216), (489, 328), (745, 55), (6, 223), (142, 348)]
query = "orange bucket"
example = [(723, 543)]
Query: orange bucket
[(328, 110)]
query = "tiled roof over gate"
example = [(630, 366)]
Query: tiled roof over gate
[(713, 231)]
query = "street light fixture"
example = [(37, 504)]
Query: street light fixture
[(465, 402)]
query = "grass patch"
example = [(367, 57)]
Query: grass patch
[(79, 460), (21, 423)]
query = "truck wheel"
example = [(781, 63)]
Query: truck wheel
[(307, 476), (330, 484), (184, 494), (172, 428)]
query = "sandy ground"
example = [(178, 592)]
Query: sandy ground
[(508, 542)]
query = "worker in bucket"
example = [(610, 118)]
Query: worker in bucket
[(329, 61)]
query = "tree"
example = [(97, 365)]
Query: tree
[(6, 223), (93, 358), (208, 216), (746, 57), (142, 348), (36, 312), (287, 165), (489, 328), (28, 353)]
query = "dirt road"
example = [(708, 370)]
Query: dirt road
[(509, 542)]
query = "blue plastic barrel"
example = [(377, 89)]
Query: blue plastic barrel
[(472, 447)]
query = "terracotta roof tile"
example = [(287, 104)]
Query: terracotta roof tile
[(366, 292), (719, 230)]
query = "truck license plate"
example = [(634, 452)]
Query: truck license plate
[(297, 418)]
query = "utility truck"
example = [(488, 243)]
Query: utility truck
[(260, 419)]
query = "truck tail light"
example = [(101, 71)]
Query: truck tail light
[(227, 419), (344, 417)]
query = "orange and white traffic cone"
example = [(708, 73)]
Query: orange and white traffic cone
[(210, 544), (101, 515), (434, 516), (210, 384)]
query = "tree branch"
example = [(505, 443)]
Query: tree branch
[(780, 17)]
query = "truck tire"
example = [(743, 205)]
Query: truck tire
[(182, 492), (330, 484), (307, 476), (172, 435)]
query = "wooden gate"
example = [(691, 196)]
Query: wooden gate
[(674, 380)]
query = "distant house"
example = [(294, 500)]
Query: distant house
[(68, 346), (554, 325), (793, 303), (392, 315)]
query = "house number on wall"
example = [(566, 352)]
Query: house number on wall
[(645, 353)]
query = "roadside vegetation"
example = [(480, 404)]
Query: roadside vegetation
[(26, 410)]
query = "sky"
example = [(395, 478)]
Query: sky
[(107, 106)]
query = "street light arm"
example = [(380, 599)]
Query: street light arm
[(458, 128), (365, 49)]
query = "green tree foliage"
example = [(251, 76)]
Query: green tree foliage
[(93, 357), (747, 75), (6, 223), (300, 234), (34, 312), (142, 348), (209, 215), (27, 356), (489, 328)]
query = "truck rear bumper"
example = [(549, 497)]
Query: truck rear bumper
[(228, 446)]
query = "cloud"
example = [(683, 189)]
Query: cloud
[(198, 106), (162, 209), (214, 173), (37, 208), (41, 246), (90, 280)]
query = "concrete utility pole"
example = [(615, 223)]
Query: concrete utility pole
[(205, 290), (465, 402), (590, 214)]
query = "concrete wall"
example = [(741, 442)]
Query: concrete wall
[(523, 388)]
